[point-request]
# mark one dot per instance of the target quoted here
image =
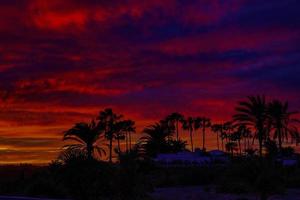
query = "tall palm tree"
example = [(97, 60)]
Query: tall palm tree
[(228, 129), (129, 128), (204, 123), (108, 122), (87, 136), (120, 133), (279, 116), (188, 124), (218, 130), (236, 137), (253, 113), (245, 134), (176, 118), (197, 125)]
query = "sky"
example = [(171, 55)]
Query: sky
[(61, 62)]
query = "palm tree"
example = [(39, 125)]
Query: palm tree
[(217, 129), (156, 139), (108, 121), (188, 124), (129, 128), (295, 135), (231, 147), (204, 123), (279, 116), (197, 125), (236, 137), (245, 135), (86, 135), (253, 113), (120, 133), (176, 118), (228, 129)]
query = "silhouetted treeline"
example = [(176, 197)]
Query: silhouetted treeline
[(94, 164)]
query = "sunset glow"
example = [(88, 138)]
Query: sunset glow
[(61, 62)]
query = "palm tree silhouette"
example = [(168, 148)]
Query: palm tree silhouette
[(236, 137), (218, 130), (129, 128), (253, 112), (231, 147), (204, 123), (108, 121), (279, 117), (120, 133), (188, 124), (87, 135), (156, 139), (176, 118), (295, 135)]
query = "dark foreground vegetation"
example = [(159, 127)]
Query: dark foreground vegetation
[(80, 178), (256, 142)]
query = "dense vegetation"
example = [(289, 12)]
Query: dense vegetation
[(86, 169)]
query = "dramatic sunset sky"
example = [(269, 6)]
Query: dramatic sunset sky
[(62, 61)]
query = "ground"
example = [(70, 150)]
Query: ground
[(199, 193)]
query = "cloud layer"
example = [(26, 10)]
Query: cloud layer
[(63, 61)]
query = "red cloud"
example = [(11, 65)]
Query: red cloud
[(227, 40)]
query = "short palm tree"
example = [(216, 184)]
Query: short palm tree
[(253, 113), (87, 136), (108, 122)]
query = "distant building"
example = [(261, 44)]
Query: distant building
[(197, 158)]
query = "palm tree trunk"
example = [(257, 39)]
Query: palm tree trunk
[(222, 140), (89, 152), (110, 150), (248, 143), (129, 140), (218, 141), (240, 147), (260, 141), (245, 143), (119, 146), (126, 137), (191, 137), (203, 142), (177, 132), (279, 139)]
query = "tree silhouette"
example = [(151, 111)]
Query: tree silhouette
[(253, 112), (204, 123), (188, 124), (129, 128), (217, 129), (86, 135), (175, 118), (231, 147), (156, 139), (120, 134), (279, 117), (108, 121)]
